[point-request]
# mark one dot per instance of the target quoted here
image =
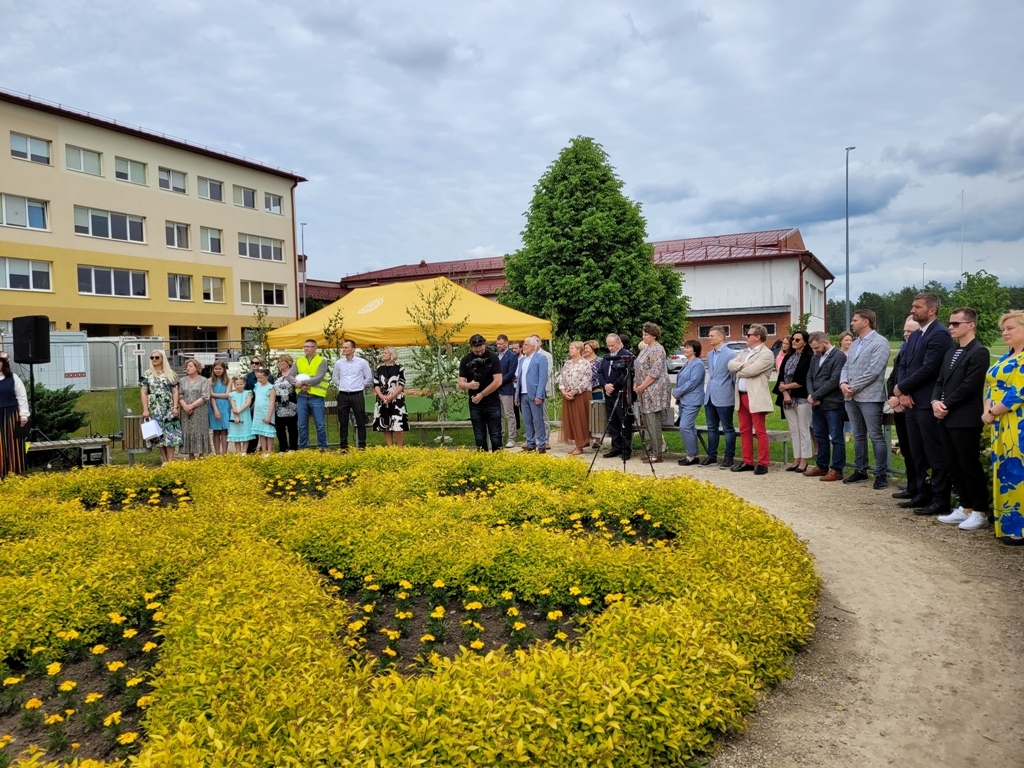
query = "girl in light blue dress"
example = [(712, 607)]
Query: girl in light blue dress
[(263, 411), (220, 407), (240, 428)]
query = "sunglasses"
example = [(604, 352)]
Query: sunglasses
[(156, 357), (954, 324)]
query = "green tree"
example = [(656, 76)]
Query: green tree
[(585, 260), (981, 292), (1015, 295), (55, 414), (436, 362), (255, 341)]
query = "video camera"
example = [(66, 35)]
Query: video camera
[(622, 361), (480, 369)]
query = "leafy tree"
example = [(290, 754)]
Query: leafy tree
[(1015, 296), (436, 362), (981, 292), (255, 341), (585, 261), (334, 337)]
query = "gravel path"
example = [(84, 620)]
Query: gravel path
[(918, 656)]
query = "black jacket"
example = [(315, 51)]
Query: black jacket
[(799, 377), (920, 363), (823, 380), (962, 387)]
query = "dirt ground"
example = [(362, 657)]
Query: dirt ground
[(918, 655)]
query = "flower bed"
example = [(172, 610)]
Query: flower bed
[(407, 607)]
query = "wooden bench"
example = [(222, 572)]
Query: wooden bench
[(774, 436), (87, 449)]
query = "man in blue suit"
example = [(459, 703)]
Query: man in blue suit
[(720, 400), (507, 391), (532, 392), (918, 372)]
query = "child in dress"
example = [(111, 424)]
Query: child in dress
[(263, 411), (240, 428)]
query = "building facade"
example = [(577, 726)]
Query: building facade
[(115, 231)]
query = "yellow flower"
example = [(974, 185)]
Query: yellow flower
[(437, 613), (39, 649), (5, 740), (53, 669), (128, 634), (368, 578), (554, 615), (147, 596), (75, 745), (114, 718), (513, 611), (404, 584), (476, 645), (355, 626), (91, 698), (403, 615), (402, 596), (518, 626), (390, 652), (33, 703), (474, 606), (69, 712), (53, 720), (561, 636), (478, 626), (153, 606), (144, 701), (158, 616), (368, 608), (99, 650), (133, 682), (574, 590), (117, 618), (148, 647), (546, 591), (372, 587), (585, 601), (506, 595), (427, 638), (439, 584), (614, 597), (12, 680), (68, 686), (128, 737), (69, 635), (113, 666)]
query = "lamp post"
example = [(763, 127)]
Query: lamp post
[(302, 226), (848, 150), (922, 274)]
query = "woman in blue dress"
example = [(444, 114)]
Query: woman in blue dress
[(220, 407), (263, 411)]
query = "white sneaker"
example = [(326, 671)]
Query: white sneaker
[(974, 521), (955, 517), (510, 444)]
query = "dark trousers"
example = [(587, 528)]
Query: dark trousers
[(926, 450), (352, 402), (828, 431), (961, 447), (486, 420), (620, 423), (914, 485), (719, 419), (287, 432)]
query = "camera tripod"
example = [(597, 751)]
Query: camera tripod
[(624, 405)]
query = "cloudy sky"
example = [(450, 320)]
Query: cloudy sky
[(423, 127)]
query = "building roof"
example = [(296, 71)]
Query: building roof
[(53, 108)]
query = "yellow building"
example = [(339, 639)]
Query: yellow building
[(115, 231)]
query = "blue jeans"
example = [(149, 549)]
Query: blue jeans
[(828, 429), (866, 420), (688, 429), (312, 405), (533, 420), (719, 417), (486, 420)]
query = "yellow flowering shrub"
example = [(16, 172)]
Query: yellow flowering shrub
[(693, 601)]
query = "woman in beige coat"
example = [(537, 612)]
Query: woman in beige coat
[(753, 368)]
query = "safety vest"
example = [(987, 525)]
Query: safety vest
[(310, 367)]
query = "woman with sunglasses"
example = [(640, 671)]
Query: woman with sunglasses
[(159, 390), (13, 419)]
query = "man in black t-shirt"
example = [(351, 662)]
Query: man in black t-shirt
[(480, 376)]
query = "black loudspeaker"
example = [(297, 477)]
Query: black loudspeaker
[(31, 339)]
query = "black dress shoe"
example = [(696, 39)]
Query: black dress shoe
[(742, 467), (612, 454), (709, 460), (761, 470), (904, 495), (688, 462), (914, 503), (856, 477), (1011, 541), (727, 464), (935, 508), (881, 482)]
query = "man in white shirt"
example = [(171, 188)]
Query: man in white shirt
[(352, 376)]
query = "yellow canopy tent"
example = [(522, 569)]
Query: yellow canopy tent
[(376, 317)]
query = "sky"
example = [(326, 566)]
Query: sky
[(423, 127)]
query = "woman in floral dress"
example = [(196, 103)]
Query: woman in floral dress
[(650, 374), (1004, 410), (575, 384), (194, 396), (389, 414), (159, 390)]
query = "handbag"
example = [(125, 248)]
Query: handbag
[(151, 429)]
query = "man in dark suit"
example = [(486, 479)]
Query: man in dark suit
[(915, 381), (899, 420), (612, 377), (829, 408), (507, 391), (957, 403)]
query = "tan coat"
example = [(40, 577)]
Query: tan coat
[(756, 374)]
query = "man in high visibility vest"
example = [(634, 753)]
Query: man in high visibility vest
[(311, 392)]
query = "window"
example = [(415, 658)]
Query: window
[(172, 180), (113, 226), (245, 197), (22, 212), (30, 148), (211, 239), (177, 234), (84, 160), (130, 170), (213, 289), (770, 327), (24, 275), (103, 281), (265, 248), (211, 190), (179, 287), (814, 297), (272, 203), (269, 294)]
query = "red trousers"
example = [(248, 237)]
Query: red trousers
[(753, 425)]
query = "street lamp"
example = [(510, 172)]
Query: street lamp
[(922, 274), (305, 266), (848, 150)]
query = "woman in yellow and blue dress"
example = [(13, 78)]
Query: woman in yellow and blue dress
[(1004, 410)]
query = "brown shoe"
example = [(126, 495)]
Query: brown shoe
[(831, 476), (813, 472)]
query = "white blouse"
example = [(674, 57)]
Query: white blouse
[(21, 394)]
